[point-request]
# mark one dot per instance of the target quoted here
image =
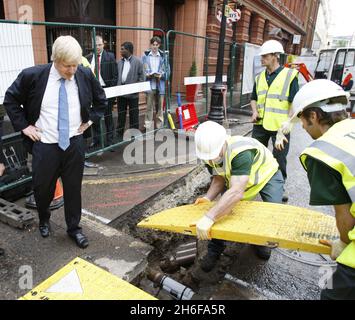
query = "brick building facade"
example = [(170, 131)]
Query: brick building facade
[(260, 21), (265, 19)]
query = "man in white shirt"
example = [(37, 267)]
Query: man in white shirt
[(104, 64), (53, 105)]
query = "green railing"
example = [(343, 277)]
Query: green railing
[(86, 36), (181, 50)]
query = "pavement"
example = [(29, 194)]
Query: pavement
[(134, 174)]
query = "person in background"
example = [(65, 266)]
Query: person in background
[(154, 71), (271, 103), (130, 70), (105, 64)]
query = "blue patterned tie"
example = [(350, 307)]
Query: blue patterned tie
[(63, 117)]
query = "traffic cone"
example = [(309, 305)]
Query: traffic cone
[(58, 199), (58, 193)]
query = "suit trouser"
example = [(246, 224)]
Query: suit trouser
[(122, 104), (263, 136), (49, 162), (108, 124), (152, 96), (272, 192)]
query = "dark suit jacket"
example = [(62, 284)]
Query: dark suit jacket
[(28, 91), (108, 68), (134, 75)]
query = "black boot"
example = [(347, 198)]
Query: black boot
[(262, 252), (214, 250), (209, 261), (2, 251)]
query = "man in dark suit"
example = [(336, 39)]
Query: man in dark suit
[(106, 66), (130, 70), (53, 105)]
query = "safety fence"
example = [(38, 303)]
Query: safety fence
[(193, 61), (188, 61)]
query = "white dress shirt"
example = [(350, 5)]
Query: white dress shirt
[(48, 118), (154, 64), (93, 64), (126, 68)]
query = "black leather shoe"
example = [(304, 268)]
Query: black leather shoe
[(45, 229), (285, 196), (81, 240), (2, 251)]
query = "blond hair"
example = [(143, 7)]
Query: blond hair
[(66, 49)]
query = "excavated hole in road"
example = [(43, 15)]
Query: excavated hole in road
[(184, 191)]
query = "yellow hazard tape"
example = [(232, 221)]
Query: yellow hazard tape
[(81, 280), (254, 222)]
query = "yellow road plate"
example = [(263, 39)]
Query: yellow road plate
[(81, 280), (254, 222)]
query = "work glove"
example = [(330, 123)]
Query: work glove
[(286, 127), (280, 140), (337, 247), (203, 227), (202, 200)]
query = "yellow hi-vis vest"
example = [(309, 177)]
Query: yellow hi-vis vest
[(262, 170), (273, 105), (336, 148), (85, 63)]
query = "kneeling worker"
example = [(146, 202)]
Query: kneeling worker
[(330, 165), (243, 166)]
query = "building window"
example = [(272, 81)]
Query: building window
[(251, 25), (350, 59), (266, 30), (2, 11), (80, 11), (83, 12), (164, 14)]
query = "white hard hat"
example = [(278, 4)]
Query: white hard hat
[(319, 93), (271, 46), (209, 140)]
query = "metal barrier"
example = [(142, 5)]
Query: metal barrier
[(193, 61), (17, 172), (182, 53), (101, 136)]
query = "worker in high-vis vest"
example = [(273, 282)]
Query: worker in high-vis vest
[(241, 168), (330, 165), (271, 101)]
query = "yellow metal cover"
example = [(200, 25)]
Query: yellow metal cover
[(81, 280), (254, 222)]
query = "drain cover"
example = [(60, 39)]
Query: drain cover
[(308, 258)]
